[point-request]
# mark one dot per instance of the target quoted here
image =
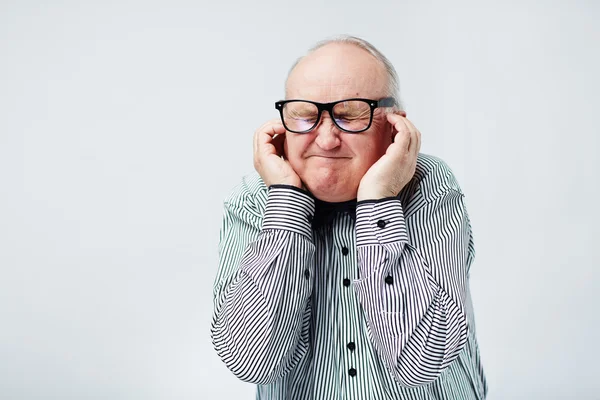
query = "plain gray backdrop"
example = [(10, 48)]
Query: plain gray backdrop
[(123, 126)]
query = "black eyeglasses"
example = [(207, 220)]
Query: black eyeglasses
[(350, 115)]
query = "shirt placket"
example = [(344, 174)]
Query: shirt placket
[(344, 256)]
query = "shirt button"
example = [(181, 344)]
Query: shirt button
[(352, 372), (346, 282), (306, 273), (351, 346), (309, 218), (345, 250), (381, 223), (389, 280)]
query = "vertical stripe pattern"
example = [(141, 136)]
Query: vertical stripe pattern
[(373, 308)]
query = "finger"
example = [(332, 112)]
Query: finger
[(415, 137), (260, 137), (414, 143), (258, 133), (273, 127), (264, 134), (402, 136), (267, 135)]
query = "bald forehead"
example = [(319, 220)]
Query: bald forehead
[(337, 71)]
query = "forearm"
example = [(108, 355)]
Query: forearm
[(259, 317), (416, 326)]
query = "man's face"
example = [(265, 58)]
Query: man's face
[(329, 161)]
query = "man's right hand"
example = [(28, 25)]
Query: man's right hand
[(268, 151)]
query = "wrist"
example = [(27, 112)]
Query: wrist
[(285, 181), (374, 194)]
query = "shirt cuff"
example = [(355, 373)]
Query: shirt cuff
[(289, 208), (380, 222)]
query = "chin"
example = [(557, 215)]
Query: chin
[(333, 192), (332, 198)]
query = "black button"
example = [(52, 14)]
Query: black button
[(346, 282), (306, 273), (351, 346), (381, 223), (309, 218), (352, 372), (389, 280), (345, 250)]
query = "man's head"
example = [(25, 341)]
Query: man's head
[(328, 160)]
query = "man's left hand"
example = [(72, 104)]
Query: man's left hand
[(397, 166)]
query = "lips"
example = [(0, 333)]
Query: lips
[(328, 157)]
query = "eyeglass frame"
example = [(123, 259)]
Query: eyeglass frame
[(373, 104)]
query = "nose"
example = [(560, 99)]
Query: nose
[(328, 135)]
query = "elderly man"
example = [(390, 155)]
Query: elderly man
[(344, 261)]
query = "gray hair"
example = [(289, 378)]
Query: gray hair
[(393, 84)]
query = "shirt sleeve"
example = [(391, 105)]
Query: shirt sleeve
[(263, 285), (413, 284)]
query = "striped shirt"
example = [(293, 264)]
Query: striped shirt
[(366, 308)]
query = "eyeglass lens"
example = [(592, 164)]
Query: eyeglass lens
[(302, 116)]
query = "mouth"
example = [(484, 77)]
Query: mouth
[(329, 157)]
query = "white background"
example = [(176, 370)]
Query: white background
[(123, 125)]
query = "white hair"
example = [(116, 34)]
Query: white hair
[(393, 85)]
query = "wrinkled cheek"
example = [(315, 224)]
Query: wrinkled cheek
[(294, 147), (297, 164), (292, 156)]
